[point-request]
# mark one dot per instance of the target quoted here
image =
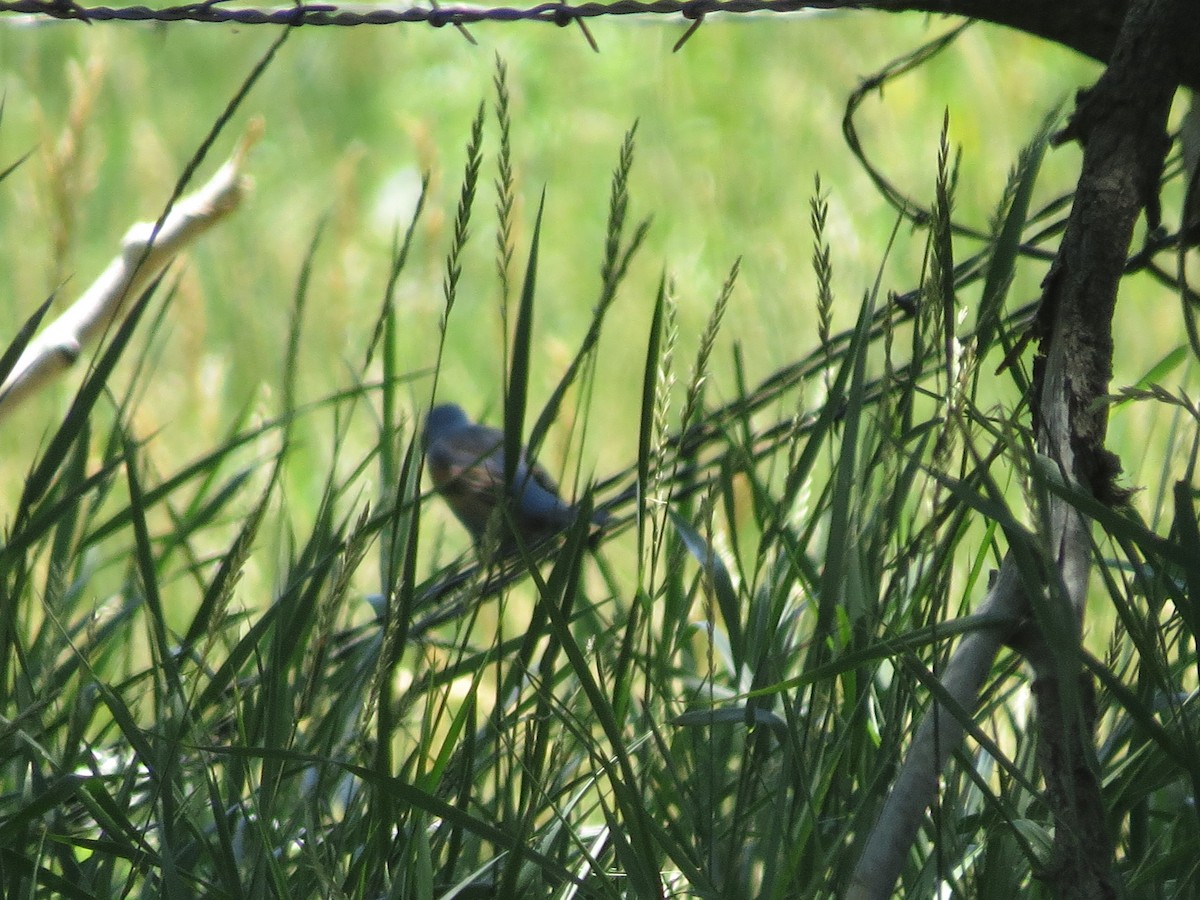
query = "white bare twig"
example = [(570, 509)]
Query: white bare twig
[(144, 253), (938, 736)]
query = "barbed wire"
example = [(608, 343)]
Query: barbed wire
[(562, 14)]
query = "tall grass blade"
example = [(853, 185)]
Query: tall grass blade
[(81, 407), (1018, 194), (646, 419), (17, 346), (517, 385), (720, 581)]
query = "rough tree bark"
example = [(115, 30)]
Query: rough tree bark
[(1089, 26), (1122, 125)]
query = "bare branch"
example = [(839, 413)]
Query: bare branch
[(937, 737), (144, 253), (1122, 124)]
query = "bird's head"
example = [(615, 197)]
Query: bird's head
[(442, 419)]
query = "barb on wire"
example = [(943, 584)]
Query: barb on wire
[(694, 12), (462, 29), (587, 34)]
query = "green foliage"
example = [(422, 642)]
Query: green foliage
[(715, 711)]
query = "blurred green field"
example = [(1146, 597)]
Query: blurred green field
[(731, 131)]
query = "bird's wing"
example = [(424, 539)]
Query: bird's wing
[(467, 467), (542, 477), (539, 500), (483, 447), (467, 459)]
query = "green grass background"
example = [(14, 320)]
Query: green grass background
[(731, 132)]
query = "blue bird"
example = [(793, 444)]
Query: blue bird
[(466, 462)]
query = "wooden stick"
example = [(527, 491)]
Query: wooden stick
[(144, 253)]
